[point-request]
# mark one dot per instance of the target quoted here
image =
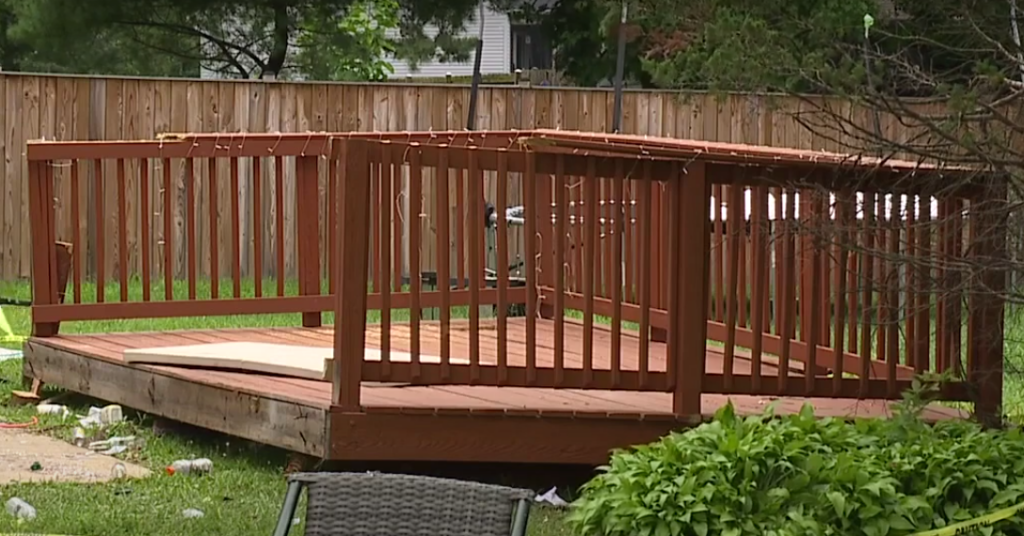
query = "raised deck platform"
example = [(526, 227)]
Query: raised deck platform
[(401, 421)]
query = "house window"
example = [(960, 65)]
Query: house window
[(530, 48)]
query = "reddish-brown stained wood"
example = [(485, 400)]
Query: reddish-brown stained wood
[(740, 213), (844, 201), (168, 241), (378, 226), (460, 226), (76, 232), (191, 258), (760, 272), (646, 184), (924, 300), (719, 249), (893, 301), (789, 306), (501, 204), (560, 261), (122, 230), (279, 221), (534, 198), (332, 223), (236, 232), (777, 230), (307, 229), (589, 265), (144, 216), (214, 205), (621, 215), (676, 257), (734, 221), (576, 226), (415, 203), (476, 269), (816, 264), (398, 219), (628, 255), (866, 270), (40, 256), (444, 277), (382, 274), (350, 309), (257, 225), (693, 290)]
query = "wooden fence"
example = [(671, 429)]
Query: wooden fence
[(83, 108)]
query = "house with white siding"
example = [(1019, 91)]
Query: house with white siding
[(507, 46)]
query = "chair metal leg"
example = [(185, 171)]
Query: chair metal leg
[(522, 518), (291, 500)]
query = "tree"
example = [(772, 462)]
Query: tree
[(248, 38)]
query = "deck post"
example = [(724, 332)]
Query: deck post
[(987, 247), (307, 212), (353, 203), (44, 252), (694, 250)]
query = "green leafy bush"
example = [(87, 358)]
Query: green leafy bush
[(800, 475)]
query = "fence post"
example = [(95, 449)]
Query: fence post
[(307, 212), (694, 251), (41, 221), (987, 246), (353, 203)]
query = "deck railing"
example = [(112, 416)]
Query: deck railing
[(626, 263)]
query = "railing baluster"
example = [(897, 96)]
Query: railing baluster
[(444, 277), (460, 227), (476, 269), (734, 221), (397, 195), (741, 260), (893, 299), (192, 257), (257, 224), (777, 233), (924, 304), (589, 266), (843, 208), (145, 242), (866, 271), (789, 306), (168, 239), (560, 237), (620, 220), (332, 223), (122, 230), (381, 175), (758, 229), (279, 222), (533, 204), (414, 203), (501, 186), (646, 185), (213, 206), (236, 231), (76, 232), (816, 263), (718, 246)]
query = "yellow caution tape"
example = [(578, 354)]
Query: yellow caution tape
[(965, 527)]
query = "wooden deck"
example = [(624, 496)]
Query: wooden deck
[(401, 421)]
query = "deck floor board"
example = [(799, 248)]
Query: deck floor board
[(109, 347)]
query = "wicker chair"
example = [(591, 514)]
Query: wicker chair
[(375, 504)]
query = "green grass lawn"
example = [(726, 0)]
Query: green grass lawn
[(242, 496)]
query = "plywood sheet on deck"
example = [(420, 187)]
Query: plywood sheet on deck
[(299, 361), (308, 362)]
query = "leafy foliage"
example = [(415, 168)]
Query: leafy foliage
[(353, 47), (802, 476)]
